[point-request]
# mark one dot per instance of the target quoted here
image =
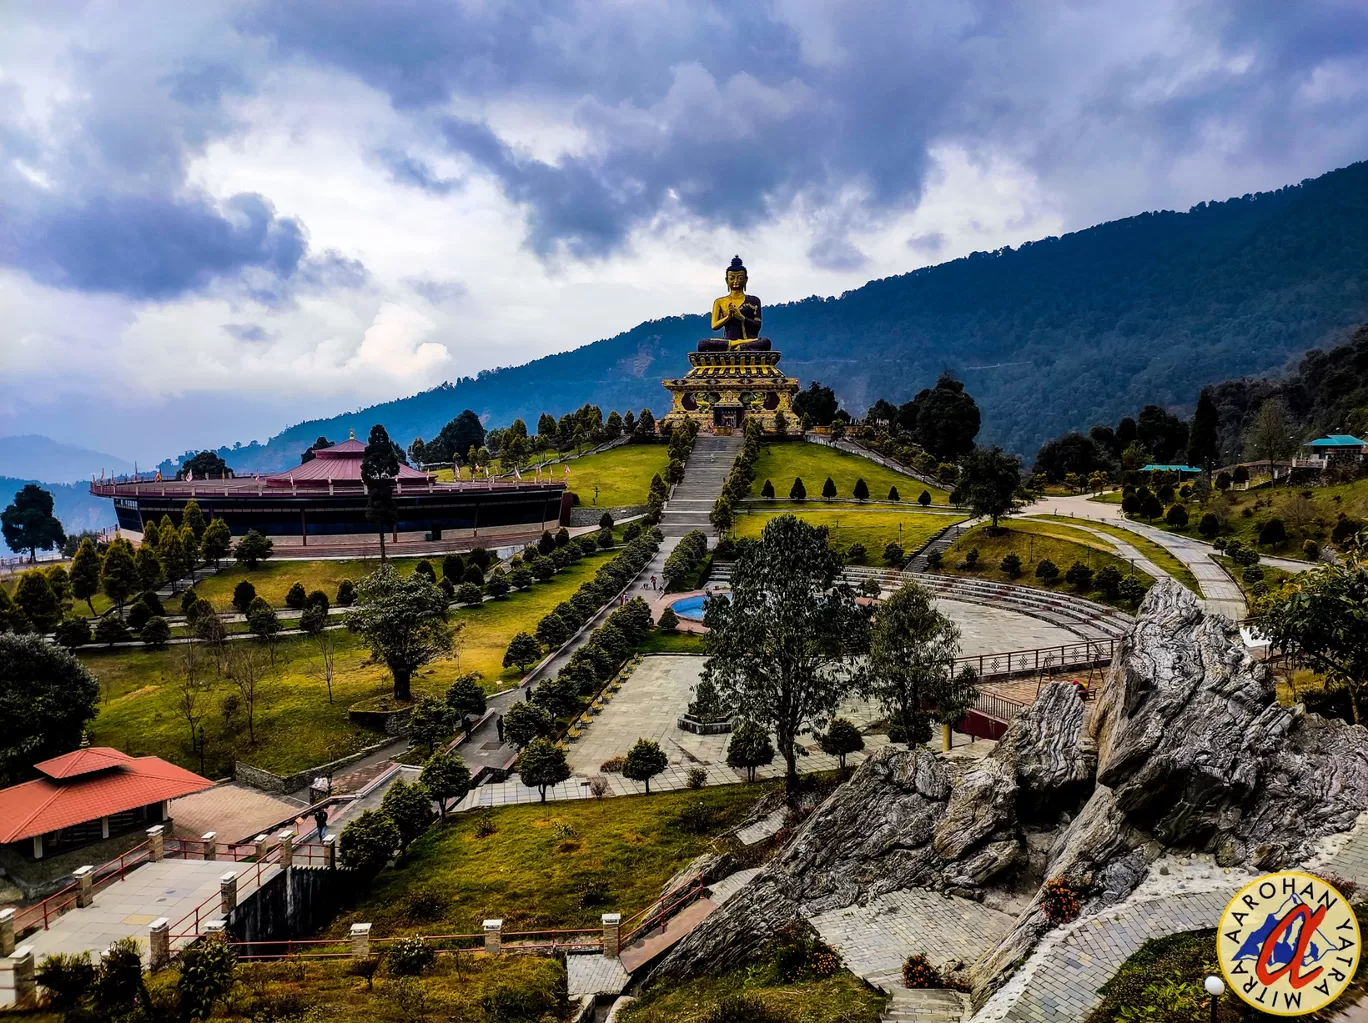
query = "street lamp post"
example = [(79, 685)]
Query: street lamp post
[(1215, 987)]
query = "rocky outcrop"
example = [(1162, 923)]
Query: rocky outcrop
[(902, 821), (1185, 748)]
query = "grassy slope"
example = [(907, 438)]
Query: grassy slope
[(841, 998), (781, 461), (273, 579), (1023, 538), (873, 527), (532, 877), (1155, 552), (1305, 518), (296, 726), (622, 475)]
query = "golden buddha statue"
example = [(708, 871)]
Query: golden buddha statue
[(737, 315)]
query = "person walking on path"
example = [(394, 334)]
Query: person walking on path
[(321, 819), (498, 724), (653, 583)]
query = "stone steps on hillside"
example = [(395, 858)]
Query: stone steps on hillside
[(919, 1005), (704, 474)]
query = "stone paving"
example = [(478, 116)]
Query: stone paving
[(875, 938), (1060, 979), (236, 812), (763, 828), (169, 888), (590, 975)]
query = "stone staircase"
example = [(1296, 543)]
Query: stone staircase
[(919, 1005), (704, 473), (939, 544)]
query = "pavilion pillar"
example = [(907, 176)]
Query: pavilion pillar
[(303, 529), (37, 847), (104, 827), (85, 881), (159, 943), (493, 935)]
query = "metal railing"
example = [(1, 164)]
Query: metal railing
[(1086, 654)]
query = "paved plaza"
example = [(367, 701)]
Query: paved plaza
[(169, 888), (236, 812)]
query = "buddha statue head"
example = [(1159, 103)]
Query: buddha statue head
[(736, 275)]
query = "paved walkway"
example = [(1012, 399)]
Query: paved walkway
[(1219, 591)]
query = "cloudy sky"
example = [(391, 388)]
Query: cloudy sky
[(219, 218)]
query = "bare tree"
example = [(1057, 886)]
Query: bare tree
[(325, 642), (1272, 436), (249, 669), (195, 685)]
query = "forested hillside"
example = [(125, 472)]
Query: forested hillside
[(1060, 332)]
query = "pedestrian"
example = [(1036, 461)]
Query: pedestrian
[(653, 584), (498, 723), (321, 819), (622, 599)]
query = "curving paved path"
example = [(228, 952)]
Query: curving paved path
[(1220, 592)]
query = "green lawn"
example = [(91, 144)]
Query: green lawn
[(1034, 543), (296, 727), (1154, 551), (1110, 497), (273, 579), (623, 475), (873, 527), (551, 865), (781, 461), (657, 642)]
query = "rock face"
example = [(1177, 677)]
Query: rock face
[(1185, 748)]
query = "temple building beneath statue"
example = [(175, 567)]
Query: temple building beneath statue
[(318, 509)]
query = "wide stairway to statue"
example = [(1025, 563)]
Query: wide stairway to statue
[(704, 473)]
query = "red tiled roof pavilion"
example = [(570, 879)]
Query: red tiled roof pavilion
[(86, 785)]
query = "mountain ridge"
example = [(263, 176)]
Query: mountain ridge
[(33, 455), (1054, 334)]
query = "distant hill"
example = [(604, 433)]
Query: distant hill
[(71, 502), (33, 456), (1059, 332)]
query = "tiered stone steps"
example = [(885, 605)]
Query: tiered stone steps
[(1085, 618), (704, 473), (919, 1005), (939, 544)]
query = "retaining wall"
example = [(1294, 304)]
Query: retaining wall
[(262, 779)]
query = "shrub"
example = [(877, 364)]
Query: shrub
[(243, 595), (1252, 574), (605, 538), (474, 576), (592, 892), (469, 594), (861, 491), (1345, 530), (934, 559), (485, 826), (1060, 901), (1209, 526), (856, 554), (840, 739), (1011, 566), (971, 558), (408, 957), (829, 488), (516, 1003), (110, 630), (1079, 576), (156, 633), (767, 490), (613, 765), (1108, 581), (1311, 550), (138, 615), (73, 632), (346, 593), (644, 761), (1176, 516), (367, 843), (797, 492), (206, 976), (919, 973), (67, 979), (1131, 590), (893, 554), (1047, 571), (1273, 532), (409, 806), (695, 817), (893, 494), (696, 778), (669, 621), (296, 597)]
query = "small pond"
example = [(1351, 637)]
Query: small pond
[(690, 607)]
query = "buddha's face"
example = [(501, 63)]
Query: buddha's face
[(736, 280)]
